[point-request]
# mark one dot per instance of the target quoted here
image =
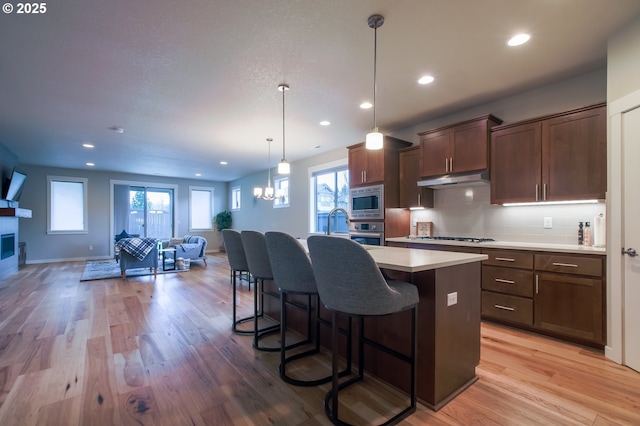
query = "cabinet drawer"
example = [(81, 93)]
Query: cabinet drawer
[(579, 265), (509, 258), (507, 308), (518, 282)]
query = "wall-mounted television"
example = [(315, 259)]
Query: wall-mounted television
[(14, 188)]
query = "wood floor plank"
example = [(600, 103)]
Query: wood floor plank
[(160, 351)]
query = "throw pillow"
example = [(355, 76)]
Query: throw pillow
[(122, 235), (174, 242)]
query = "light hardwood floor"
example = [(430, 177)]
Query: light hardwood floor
[(161, 352)]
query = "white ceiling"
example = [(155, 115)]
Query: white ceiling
[(195, 82)]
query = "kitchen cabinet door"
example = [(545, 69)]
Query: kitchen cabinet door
[(365, 166), (469, 147), (435, 153), (412, 195), (570, 306), (574, 156), (516, 164)]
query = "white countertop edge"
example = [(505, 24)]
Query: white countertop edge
[(510, 245), (417, 260)]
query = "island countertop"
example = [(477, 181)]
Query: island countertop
[(415, 260)]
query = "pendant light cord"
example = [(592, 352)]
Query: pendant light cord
[(284, 89), (375, 61)]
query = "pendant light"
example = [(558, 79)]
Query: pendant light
[(374, 138), (284, 168), (268, 190)]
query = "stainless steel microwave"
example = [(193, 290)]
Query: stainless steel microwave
[(367, 202)]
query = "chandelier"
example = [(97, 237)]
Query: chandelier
[(268, 193), (374, 138)]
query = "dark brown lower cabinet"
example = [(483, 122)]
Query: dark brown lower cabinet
[(570, 305)]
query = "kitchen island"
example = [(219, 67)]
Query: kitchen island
[(448, 322)]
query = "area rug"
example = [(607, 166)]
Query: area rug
[(105, 269)]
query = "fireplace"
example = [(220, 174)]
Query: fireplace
[(7, 245)]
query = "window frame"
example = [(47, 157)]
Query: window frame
[(338, 165), (236, 189), (210, 190), (284, 202), (85, 191)]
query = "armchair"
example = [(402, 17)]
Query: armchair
[(191, 247), (138, 253)]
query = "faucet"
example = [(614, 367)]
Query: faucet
[(337, 209)]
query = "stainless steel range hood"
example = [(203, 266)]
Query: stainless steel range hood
[(449, 181)]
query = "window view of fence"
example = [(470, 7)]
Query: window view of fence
[(151, 212), (331, 191)]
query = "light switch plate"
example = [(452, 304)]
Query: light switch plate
[(452, 298), (548, 223)]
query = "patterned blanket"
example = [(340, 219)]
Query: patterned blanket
[(137, 247)]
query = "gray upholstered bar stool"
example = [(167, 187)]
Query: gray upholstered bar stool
[(293, 274), (255, 248), (239, 268), (359, 289)]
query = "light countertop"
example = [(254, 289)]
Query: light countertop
[(510, 245), (416, 260)]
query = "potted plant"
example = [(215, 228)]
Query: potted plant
[(223, 221)]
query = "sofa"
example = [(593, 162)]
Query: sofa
[(191, 247)]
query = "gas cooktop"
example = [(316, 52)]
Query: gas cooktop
[(463, 239)]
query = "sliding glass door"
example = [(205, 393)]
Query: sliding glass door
[(143, 210)]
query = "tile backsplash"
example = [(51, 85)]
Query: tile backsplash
[(468, 212)]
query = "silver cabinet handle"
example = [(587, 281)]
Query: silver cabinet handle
[(362, 176), (544, 192), (500, 280), (451, 164), (365, 175), (568, 265), (446, 165), (537, 192), (504, 308), (505, 259), (419, 201), (630, 251), (536, 283)]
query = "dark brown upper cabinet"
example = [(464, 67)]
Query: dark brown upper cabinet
[(457, 148), (562, 157)]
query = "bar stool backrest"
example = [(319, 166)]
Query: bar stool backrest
[(290, 264), (349, 280), (235, 250), (255, 248)]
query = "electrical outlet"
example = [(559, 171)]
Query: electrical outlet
[(548, 223), (414, 222), (452, 298)]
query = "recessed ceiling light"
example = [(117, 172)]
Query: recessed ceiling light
[(366, 105), (116, 129), (90, 164), (518, 39), (426, 79), (87, 145), (224, 163), (198, 174), (325, 123)]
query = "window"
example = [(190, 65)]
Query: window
[(281, 186), (236, 196), (200, 208), (330, 189), (66, 205)]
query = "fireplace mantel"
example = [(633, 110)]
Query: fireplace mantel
[(15, 212)]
